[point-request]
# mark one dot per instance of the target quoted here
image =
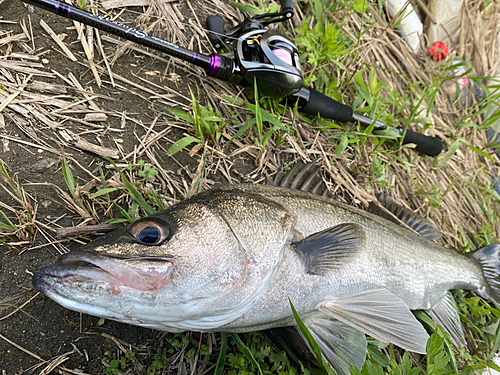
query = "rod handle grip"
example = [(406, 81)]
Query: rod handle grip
[(326, 107), (215, 24), (286, 5), (431, 146)]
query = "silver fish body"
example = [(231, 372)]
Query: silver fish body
[(231, 259)]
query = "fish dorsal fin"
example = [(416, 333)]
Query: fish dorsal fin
[(329, 249), (382, 315), (419, 224), (341, 344), (303, 177), (445, 314)]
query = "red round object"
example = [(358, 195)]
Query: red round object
[(439, 51)]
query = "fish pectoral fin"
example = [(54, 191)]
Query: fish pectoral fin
[(341, 344), (419, 224), (445, 313), (331, 248), (382, 315)]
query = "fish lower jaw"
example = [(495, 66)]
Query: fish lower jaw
[(93, 310)]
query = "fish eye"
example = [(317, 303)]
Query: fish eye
[(150, 231)]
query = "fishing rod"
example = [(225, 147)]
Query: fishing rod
[(259, 54)]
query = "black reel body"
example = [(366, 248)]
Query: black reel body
[(261, 54)]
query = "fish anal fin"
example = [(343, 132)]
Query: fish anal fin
[(382, 315), (419, 224), (331, 248), (445, 314)]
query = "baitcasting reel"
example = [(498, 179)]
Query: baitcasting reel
[(265, 55)]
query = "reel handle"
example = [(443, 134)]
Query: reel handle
[(215, 24)]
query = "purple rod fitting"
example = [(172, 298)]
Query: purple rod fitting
[(213, 65)]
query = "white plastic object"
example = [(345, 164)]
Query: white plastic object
[(493, 83), (410, 25), (448, 16)]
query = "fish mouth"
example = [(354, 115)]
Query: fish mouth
[(143, 273)]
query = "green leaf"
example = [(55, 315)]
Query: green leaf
[(360, 6), (182, 115), (105, 191), (212, 118), (246, 351), (358, 78), (258, 113), (157, 199), (9, 226), (181, 144), (493, 366), (267, 136), (378, 357), (372, 81), (342, 144), (205, 350), (481, 152), (437, 360), (451, 151), (191, 352), (243, 129), (136, 195), (68, 177), (247, 8)]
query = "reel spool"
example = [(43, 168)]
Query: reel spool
[(271, 59)]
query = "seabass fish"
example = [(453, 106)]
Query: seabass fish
[(230, 258)]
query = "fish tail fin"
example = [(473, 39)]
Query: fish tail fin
[(489, 260)]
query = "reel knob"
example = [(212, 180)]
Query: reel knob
[(216, 35)]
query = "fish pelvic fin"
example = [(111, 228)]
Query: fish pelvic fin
[(290, 340), (382, 315), (445, 313), (489, 260), (341, 345), (331, 248)]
